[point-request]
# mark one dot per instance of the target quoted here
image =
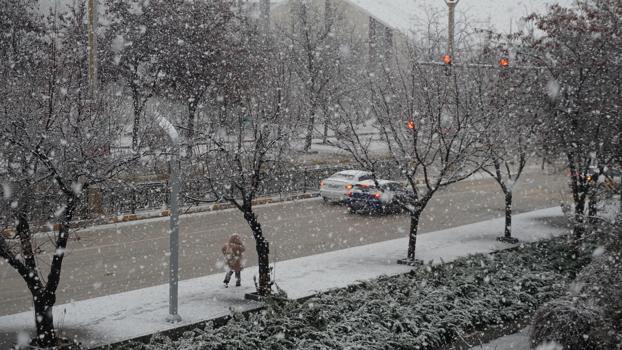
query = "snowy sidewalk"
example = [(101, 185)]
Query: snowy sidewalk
[(136, 313)]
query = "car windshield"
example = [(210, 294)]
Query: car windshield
[(365, 177)]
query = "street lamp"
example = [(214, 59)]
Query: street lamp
[(173, 136)]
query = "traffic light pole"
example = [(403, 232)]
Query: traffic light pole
[(451, 4), (476, 65)]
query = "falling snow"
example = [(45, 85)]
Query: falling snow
[(332, 139)]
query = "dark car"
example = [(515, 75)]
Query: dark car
[(366, 198)]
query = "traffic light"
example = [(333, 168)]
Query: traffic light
[(447, 60), (411, 124), (504, 62)]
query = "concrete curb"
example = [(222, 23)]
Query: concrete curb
[(178, 332), (213, 207)]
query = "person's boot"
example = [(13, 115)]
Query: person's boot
[(238, 283)]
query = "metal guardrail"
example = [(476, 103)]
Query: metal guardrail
[(132, 198), (129, 198)]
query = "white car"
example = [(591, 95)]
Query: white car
[(336, 187)]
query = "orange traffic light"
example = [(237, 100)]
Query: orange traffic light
[(411, 124), (504, 62), (447, 59)]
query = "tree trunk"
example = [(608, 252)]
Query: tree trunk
[(136, 126), (263, 253), (44, 319), (45, 298), (325, 135), (577, 186), (192, 108), (592, 210), (412, 236), (309, 137), (325, 109), (508, 214), (579, 227)]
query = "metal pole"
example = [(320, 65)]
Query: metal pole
[(173, 135), (92, 42), (264, 12), (450, 27)]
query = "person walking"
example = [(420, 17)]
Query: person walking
[(232, 250)]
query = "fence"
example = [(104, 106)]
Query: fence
[(129, 198)]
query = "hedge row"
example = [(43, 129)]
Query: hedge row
[(424, 309)]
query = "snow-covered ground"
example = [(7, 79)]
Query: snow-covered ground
[(131, 314), (516, 341)]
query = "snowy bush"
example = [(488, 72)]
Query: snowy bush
[(571, 324), (589, 316), (601, 283), (424, 309)]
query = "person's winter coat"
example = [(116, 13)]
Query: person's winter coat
[(232, 251)]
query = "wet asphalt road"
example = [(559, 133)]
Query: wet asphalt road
[(116, 258)]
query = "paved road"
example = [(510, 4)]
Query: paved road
[(117, 258)]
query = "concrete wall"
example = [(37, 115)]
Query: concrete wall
[(356, 21)]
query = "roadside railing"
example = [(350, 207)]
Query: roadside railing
[(153, 195)]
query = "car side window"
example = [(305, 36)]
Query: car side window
[(365, 177)]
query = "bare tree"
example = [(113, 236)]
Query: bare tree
[(55, 144), (130, 54), (425, 123), (194, 48), (319, 44), (17, 20), (510, 134), (247, 140)]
